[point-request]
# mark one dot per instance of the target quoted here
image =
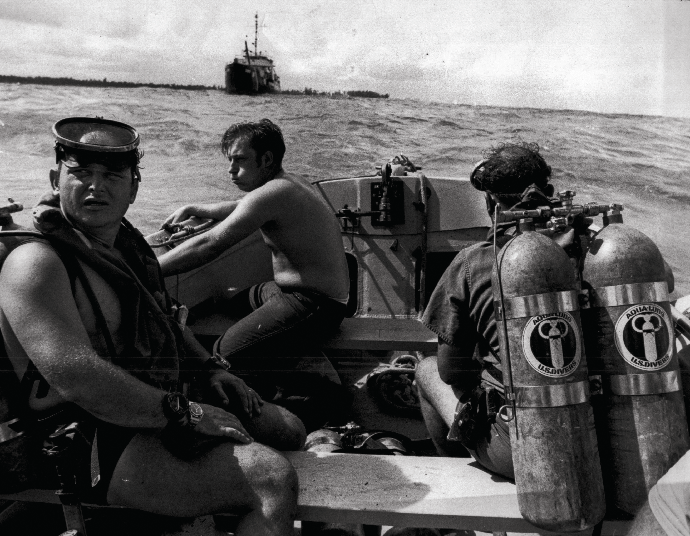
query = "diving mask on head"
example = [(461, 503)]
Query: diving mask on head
[(80, 141), (531, 194)]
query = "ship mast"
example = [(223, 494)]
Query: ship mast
[(256, 32)]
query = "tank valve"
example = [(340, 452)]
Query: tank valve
[(557, 223), (566, 197)]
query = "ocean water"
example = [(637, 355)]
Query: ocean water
[(641, 162)]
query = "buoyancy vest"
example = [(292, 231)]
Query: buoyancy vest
[(154, 347), (153, 339)]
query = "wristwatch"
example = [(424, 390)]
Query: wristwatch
[(176, 408), (196, 413)]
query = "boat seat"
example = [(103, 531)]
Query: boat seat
[(412, 491), (383, 334), (355, 333)]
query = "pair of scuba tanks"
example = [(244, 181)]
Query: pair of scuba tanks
[(586, 430)]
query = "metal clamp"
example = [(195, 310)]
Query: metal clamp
[(651, 383), (539, 304), (10, 430), (629, 294), (552, 396)]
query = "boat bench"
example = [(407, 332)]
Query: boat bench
[(357, 333), (383, 334), (405, 491)]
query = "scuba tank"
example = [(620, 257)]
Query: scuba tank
[(641, 421), (553, 440)]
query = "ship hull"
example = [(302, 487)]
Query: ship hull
[(249, 80)]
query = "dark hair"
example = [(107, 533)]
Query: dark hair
[(262, 136), (119, 161), (507, 170)]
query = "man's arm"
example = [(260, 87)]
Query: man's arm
[(220, 384), (456, 367), (252, 211), (198, 354), (214, 211), (36, 299)]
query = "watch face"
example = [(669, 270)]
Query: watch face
[(195, 413)]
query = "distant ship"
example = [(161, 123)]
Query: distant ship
[(252, 73)]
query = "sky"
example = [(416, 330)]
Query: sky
[(610, 56)]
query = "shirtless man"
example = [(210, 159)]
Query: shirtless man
[(111, 356), (306, 301)]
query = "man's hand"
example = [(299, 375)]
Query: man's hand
[(225, 388), (181, 214), (219, 423)]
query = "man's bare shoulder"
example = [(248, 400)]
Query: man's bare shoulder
[(277, 191), (285, 183), (31, 264)]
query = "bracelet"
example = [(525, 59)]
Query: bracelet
[(217, 361)]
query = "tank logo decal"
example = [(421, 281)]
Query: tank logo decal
[(552, 344), (644, 336)]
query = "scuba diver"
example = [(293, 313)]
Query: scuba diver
[(467, 371)]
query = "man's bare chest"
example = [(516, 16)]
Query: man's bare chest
[(101, 301)]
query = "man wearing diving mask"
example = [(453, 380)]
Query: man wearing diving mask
[(89, 330)]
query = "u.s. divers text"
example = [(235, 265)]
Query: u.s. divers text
[(644, 336), (552, 344)]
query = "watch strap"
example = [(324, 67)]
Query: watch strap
[(176, 408), (217, 361)]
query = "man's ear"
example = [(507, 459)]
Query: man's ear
[(490, 203), (54, 175), (134, 190), (267, 159)]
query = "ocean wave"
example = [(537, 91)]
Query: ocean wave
[(331, 138)]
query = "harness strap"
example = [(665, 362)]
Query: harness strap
[(76, 270), (32, 374)]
